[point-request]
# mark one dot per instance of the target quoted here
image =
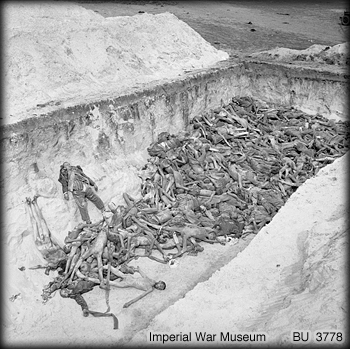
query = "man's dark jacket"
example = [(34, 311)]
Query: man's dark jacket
[(79, 174)]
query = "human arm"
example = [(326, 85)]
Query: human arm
[(115, 271), (71, 176), (63, 179), (126, 305), (137, 269), (91, 182), (87, 278)]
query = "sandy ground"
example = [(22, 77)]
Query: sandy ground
[(225, 24), (292, 275)]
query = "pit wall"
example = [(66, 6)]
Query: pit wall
[(322, 90), (109, 138)]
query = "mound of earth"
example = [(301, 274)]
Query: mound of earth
[(335, 55), (56, 53)]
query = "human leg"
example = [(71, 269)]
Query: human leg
[(76, 263), (197, 246), (38, 220), (120, 284), (45, 230), (33, 221), (88, 278), (75, 251), (94, 198), (80, 199), (75, 291), (82, 302), (51, 252), (116, 271)]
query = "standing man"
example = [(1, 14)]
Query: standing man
[(82, 187)]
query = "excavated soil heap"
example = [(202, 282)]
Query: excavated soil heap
[(63, 54), (320, 54)]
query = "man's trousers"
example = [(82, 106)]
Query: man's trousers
[(81, 198)]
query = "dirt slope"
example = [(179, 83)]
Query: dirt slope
[(315, 54), (59, 53)]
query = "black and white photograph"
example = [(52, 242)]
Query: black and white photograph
[(175, 173)]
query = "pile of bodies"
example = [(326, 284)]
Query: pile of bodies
[(226, 176)]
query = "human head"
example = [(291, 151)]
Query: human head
[(121, 209), (66, 165), (66, 247), (160, 285), (212, 236), (85, 267), (61, 266)]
